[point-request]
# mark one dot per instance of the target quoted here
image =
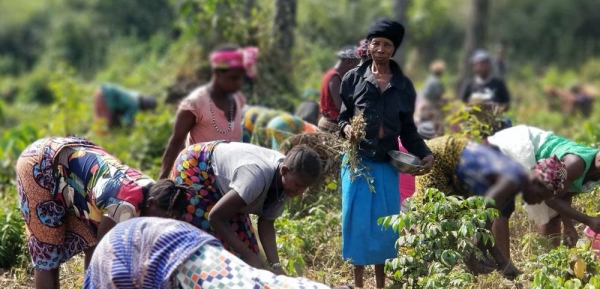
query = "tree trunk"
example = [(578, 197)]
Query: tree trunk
[(249, 7), (475, 37), (284, 24), (400, 9)]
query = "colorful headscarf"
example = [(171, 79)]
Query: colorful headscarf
[(361, 50), (241, 58), (552, 172)]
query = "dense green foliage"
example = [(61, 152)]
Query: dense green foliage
[(437, 235)]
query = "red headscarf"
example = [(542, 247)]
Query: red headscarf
[(241, 58), (552, 171), (361, 50)]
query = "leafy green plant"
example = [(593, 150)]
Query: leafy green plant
[(309, 235), (35, 88), (475, 121), (70, 104), (12, 142), (438, 235), (11, 233), (566, 268), (590, 134)]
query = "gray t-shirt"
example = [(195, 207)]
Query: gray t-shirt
[(249, 170)]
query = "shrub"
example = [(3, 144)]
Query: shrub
[(11, 232), (436, 236), (35, 88), (310, 235), (566, 268)]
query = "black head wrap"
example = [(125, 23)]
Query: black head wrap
[(389, 29)]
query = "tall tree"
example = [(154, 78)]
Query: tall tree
[(400, 15), (249, 7), (475, 37), (284, 24)]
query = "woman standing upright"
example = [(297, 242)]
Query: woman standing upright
[(213, 111), (386, 97)]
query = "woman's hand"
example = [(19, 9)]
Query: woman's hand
[(427, 163), (348, 131), (594, 224), (570, 236)]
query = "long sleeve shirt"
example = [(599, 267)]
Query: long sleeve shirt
[(393, 109)]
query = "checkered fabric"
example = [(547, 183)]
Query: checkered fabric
[(213, 267)]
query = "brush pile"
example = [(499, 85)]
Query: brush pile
[(327, 145)]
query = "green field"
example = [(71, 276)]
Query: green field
[(53, 55)]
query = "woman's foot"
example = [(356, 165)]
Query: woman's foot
[(509, 270), (358, 276), (484, 266)]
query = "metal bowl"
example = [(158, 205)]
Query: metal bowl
[(405, 163)]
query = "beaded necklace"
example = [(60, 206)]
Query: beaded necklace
[(214, 118)]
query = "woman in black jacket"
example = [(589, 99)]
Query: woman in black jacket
[(386, 97)]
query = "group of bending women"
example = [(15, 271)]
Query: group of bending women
[(72, 192), (76, 197)]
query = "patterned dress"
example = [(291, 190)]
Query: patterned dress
[(151, 253), (284, 126), (249, 119), (193, 167), (65, 186), (259, 133)]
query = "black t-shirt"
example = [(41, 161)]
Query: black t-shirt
[(495, 88)]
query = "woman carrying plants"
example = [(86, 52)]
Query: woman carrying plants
[(466, 168), (386, 98), (72, 192), (213, 111), (173, 254), (233, 180), (527, 145)]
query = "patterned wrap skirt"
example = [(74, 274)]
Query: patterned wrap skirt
[(213, 267), (54, 235), (160, 253), (193, 167)]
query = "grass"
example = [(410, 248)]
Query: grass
[(324, 261)]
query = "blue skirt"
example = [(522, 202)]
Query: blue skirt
[(364, 242)]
